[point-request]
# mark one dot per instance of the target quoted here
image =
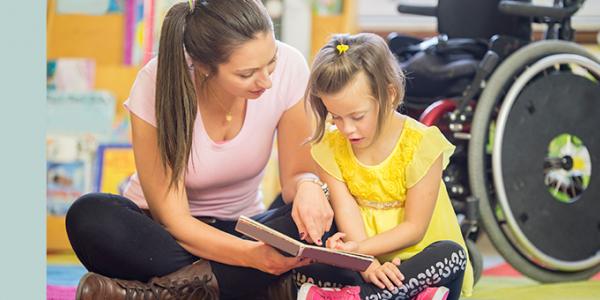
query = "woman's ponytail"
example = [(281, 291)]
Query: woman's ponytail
[(176, 105)]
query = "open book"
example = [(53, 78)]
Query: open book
[(267, 235)]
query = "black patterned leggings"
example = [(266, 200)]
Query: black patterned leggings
[(442, 263)]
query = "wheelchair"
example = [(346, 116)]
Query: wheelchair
[(523, 115)]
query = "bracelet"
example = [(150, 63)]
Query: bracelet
[(317, 181)]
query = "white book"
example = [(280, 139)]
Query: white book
[(267, 235)]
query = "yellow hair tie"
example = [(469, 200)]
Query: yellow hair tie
[(192, 4), (342, 48)]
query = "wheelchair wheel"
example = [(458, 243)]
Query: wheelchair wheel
[(533, 143)]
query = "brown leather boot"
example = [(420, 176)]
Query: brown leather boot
[(195, 281)]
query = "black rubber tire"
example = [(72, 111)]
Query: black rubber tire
[(479, 163), (476, 260)]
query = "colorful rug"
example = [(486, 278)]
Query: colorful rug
[(502, 281), (521, 288), (54, 292), (505, 270), (499, 281), (62, 281)]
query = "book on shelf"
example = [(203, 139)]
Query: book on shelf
[(286, 244)]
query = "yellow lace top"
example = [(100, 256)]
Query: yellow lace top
[(380, 190)]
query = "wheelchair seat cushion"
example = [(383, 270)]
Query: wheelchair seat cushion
[(438, 76)]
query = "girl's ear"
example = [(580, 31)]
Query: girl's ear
[(392, 94)]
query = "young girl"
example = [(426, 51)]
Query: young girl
[(384, 172)]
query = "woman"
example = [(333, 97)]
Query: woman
[(204, 116)]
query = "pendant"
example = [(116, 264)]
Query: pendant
[(228, 117)]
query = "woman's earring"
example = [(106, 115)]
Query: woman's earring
[(205, 77)]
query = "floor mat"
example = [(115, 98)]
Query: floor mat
[(62, 281), (506, 270), (54, 292), (62, 275), (499, 281), (517, 288)]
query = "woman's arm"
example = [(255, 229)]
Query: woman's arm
[(420, 202), (311, 210), (294, 156), (170, 208)]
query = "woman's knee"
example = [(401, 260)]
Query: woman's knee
[(93, 209), (83, 207)]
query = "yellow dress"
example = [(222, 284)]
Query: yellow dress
[(380, 190)]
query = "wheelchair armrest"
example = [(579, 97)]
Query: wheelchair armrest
[(553, 13), (418, 10), (475, 47)]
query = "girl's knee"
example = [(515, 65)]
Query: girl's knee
[(455, 254), (449, 247)]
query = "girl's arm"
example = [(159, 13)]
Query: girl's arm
[(311, 210), (170, 208), (347, 213), (419, 205), (349, 222)]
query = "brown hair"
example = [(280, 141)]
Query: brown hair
[(209, 33), (332, 71)]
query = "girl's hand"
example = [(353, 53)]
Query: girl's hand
[(336, 242), (267, 259), (384, 276)]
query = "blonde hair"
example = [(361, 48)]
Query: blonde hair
[(332, 70)]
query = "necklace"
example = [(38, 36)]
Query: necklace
[(228, 114)]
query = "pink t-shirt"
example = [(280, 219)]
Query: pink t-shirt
[(222, 179)]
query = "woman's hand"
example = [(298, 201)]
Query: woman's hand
[(311, 212), (384, 276), (267, 259), (336, 242)]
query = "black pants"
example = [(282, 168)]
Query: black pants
[(442, 263), (112, 236)]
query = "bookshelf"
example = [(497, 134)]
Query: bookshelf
[(324, 25), (99, 38)]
